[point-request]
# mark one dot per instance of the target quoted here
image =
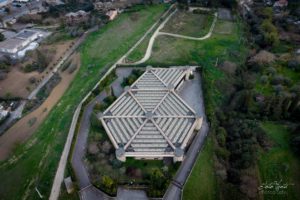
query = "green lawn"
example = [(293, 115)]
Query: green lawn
[(202, 184), (279, 163), (34, 163), (189, 24), (185, 23), (281, 70), (139, 52), (170, 50)]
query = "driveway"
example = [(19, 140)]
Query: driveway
[(77, 162), (195, 100)]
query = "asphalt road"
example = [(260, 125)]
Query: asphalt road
[(195, 100), (78, 165), (174, 191), (81, 142)]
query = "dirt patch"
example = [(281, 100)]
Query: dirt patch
[(189, 24), (224, 27), (263, 57), (228, 67), (17, 83), (24, 128)]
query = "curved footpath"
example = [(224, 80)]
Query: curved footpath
[(158, 33), (151, 41)]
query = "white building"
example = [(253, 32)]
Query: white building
[(19, 42), (112, 14), (150, 120), (3, 113), (5, 3)]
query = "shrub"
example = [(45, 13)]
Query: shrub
[(108, 184), (109, 99), (267, 12), (279, 79), (264, 79), (222, 153), (270, 33), (278, 88), (30, 67), (294, 65), (2, 37), (32, 80), (271, 71), (203, 12), (3, 75), (221, 136)]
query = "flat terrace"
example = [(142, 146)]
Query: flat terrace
[(150, 120)]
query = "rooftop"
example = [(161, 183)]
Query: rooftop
[(11, 43), (25, 34), (150, 118)]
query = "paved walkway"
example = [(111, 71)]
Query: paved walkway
[(92, 193), (126, 194)]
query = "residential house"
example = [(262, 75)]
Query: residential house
[(112, 14), (76, 17)]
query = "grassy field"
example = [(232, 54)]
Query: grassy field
[(202, 175), (34, 163), (185, 23), (189, 24), (279, 163), (170, 50), (139, 52), (281, 70)]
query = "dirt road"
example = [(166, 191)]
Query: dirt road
[(24, 128)]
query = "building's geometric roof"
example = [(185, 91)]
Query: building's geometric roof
[(150, 117)]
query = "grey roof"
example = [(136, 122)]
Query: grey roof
[(25, 34), (11, 43), (150, 117)]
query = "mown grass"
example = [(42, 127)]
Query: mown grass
[(219, 47), (35, 165), (279, 163), (196, 25), (139, 52), (189, 24), (201, 177)]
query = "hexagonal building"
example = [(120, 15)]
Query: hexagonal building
[(150, 120)]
